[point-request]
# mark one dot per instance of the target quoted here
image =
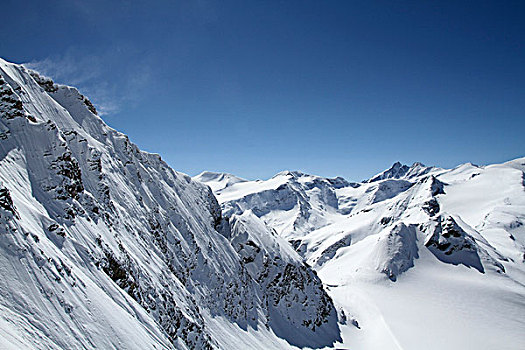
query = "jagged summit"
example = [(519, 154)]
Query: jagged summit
[(293, 173), (400, 171), (396, 171)]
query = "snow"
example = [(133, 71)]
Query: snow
[(103, 245), (434, 306), (373, 251), (218, 181)]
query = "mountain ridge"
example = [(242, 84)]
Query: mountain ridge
[(423, 221), (105, 246), (87, 209)]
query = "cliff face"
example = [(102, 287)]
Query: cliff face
[(104, 245)]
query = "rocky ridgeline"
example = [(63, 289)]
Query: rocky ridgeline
[(400, 207), (96, 208), (449, 242), (289, 288)]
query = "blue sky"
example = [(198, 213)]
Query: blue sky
[(254, 87)]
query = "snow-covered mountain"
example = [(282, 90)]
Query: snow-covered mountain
[(103, 245), (416, 257)]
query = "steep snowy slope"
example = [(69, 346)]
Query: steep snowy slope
[(104, 246), (411, 252)]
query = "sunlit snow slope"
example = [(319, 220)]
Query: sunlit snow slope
[(415, 258), (104, 246)]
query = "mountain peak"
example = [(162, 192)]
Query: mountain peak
[(396, 171), (293, 173), (400, 171), (217, 180)]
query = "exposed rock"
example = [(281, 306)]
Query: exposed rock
[(397, 250), (451, 244), (6, 202)]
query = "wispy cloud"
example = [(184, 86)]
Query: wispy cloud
[(104, 77)]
